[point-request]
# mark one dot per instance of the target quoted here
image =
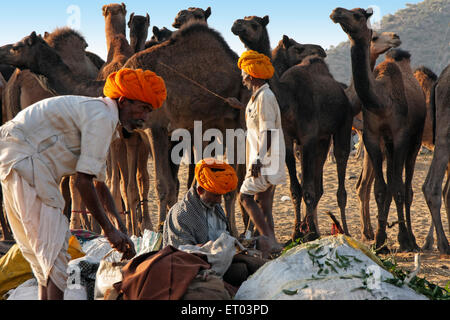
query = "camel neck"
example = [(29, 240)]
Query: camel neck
[(364, 81)]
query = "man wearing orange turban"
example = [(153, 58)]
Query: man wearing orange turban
[(265, 147), (63, 136), (199, 217)]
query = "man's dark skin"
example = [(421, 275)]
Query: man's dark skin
[(97, 197), (259, 206)]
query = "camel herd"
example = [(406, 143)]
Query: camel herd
[(394, 109)]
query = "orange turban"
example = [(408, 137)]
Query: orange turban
[(256, 64), (138, 84), (216, 176)]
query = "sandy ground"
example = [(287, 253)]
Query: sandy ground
[(434, 267)]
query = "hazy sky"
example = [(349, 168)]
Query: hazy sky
[(304, 21)]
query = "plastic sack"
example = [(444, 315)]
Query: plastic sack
[(29, 290), (330, 268), (108, 273)]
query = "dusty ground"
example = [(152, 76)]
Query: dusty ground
[(435, 268)]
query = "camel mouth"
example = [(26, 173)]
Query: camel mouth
[(237, 29), (5, 54)]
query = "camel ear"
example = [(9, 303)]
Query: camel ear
[(286, 42), (131, 19), (265, 21), (32, 38), (147, 17), (155, 31), (369, 13), (105, 10), (207, 13), (124, 8), (46, 34)]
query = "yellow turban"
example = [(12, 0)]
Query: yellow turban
[(138, 84), (256, 64), (216, 176)]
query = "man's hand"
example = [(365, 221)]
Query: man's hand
[(256, 168), (235, 103), (121, 243)]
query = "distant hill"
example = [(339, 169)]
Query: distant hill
[(424, 29)]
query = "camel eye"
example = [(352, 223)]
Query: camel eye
[(374, 38)]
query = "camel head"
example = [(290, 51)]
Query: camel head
[(354, 22), (29, 53), (191, 14), (252, 31), (114, 9), (138, 31), (161, 35), (382, 42), (293, 52)]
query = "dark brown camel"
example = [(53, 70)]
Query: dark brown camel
[(307, 122), (138, 31), (388, 120), (432, 188), (159, 35), (186, 52), (191, 14)]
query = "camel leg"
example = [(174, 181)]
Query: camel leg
[(361, 150), (166, 185), (342, 141), (143, 180), (309, 163), (446, 194), (363, 188), (380, 189), (432, 190), (429, 240), (395, 156), (410, 163), (116, 152), (296, 191)]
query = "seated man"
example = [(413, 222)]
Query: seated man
[(199, 217)]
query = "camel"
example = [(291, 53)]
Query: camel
[(392, 121), (307, 122), (416, 99), (6, 71), (186, 51), (191, 14), (159, 35), (71, 46), (114, 14), (432, 187), (427, 79), (138, 31), (33, 53)]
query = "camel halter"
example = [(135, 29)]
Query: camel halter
[(193, 81)]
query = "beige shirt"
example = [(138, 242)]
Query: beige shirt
[(57, 137), (263, 114)]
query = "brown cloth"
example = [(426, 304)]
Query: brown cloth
[(160, 275)]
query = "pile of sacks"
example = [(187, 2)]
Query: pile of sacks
[(17, 281), (330, 268)]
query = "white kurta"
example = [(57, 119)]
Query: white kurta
[(44, 142), (263, 114)]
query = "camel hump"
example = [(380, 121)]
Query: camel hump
[(427, 72), (60, 37), (398, 54)]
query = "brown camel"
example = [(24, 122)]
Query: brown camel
[(159, 35), (416, 99), (71, 46), (186, 52), (391, 123), (307, 122), (191, 14), (138, 31), (33, 53), (427, 79), (115, 22), (125, 167), (432, 188)]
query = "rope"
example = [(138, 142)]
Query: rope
[(193, 81), (87, 212)]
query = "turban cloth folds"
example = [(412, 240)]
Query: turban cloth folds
[(142, 85), (216, 176), (256, 64)]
